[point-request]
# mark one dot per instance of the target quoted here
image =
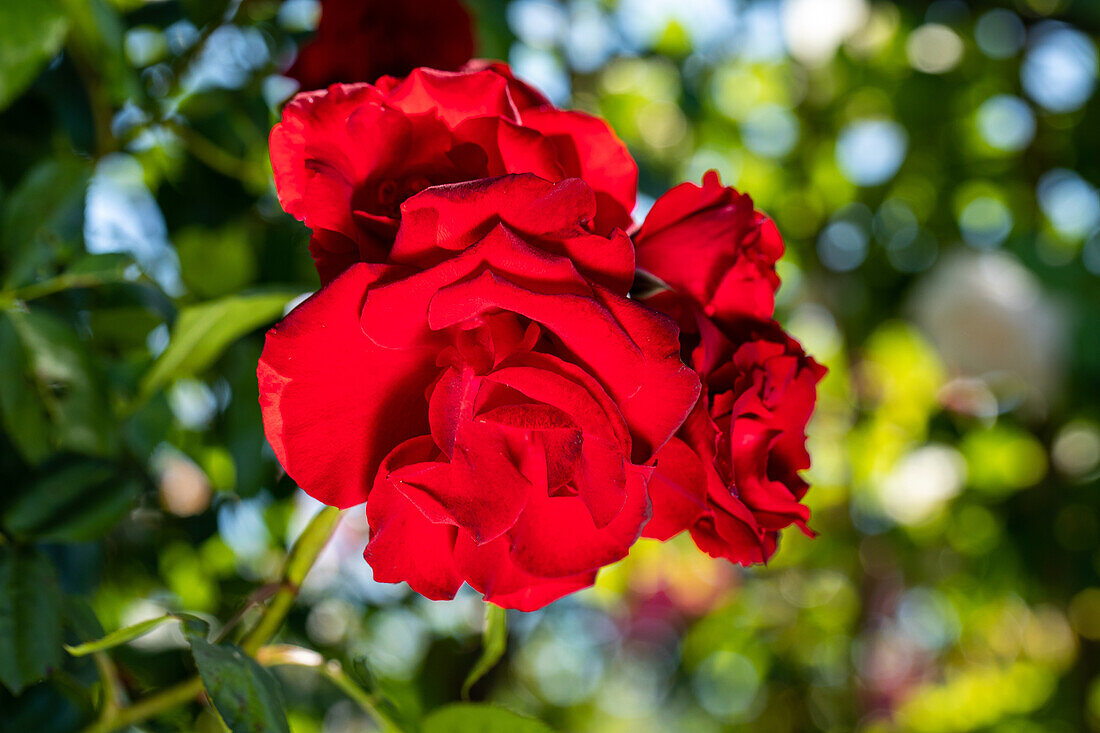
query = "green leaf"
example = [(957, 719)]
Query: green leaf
[(44, 213), (216, 262), (480, 718), (80, 618), (494, 640), (67, 388), (30, 618), (97, 37), (246, 695), (22, 413), (204, 331), (76, 503), (119, 637), (31, 33), (87, 272)]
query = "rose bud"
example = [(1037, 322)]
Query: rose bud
[(708, 245)]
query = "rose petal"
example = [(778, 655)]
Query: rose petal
[(556, 536), (678, 491), (404, 545), (454, 97), (588, 148), (334, 403), (490, 570), (710, 246), (481, 490)]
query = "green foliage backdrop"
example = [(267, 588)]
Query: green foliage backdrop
[(933, 168)]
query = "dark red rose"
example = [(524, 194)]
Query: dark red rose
[(490, 392), (346, 158), (707, 244), (731, 474), (361, 40)]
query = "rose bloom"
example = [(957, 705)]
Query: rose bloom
[(346, 158), (489, 391), (361, 40), (731, 474)]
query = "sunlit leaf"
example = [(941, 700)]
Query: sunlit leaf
[(480, 718), (119, 637), (218, 262), (204, 331), (31, 33), (30, 618)]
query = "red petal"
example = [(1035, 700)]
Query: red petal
[(404, 545), (709, 245), (511, 148), (523, 94), (481, 490), (318, 157), (589, 149), (454, 96), (668, 390), (549, 216), (490, 569), (678, 490), (556, 536), (335, 403), (548, 379)]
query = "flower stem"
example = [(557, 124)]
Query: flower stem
[(285, 654), (148, 707), (298, 562)]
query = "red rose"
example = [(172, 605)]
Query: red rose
[(490, 392), (730, 475), (347, 157), (707, 244), (361, 40)]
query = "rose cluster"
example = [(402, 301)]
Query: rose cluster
[(476, 367)]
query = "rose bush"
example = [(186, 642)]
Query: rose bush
[(730, 476), (489, 391), (345, 158), (361, 40)]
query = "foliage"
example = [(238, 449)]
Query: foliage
[(935, 183)]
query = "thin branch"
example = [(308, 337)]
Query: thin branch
[(298, 563)]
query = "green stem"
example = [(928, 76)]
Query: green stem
[(336, 674), (494, 642), (301, 558), (298, 562), (58, 284), (113, 695), (208, 153), (149, 707), (288, 655)]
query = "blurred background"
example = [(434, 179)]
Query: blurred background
[(933, 168)]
